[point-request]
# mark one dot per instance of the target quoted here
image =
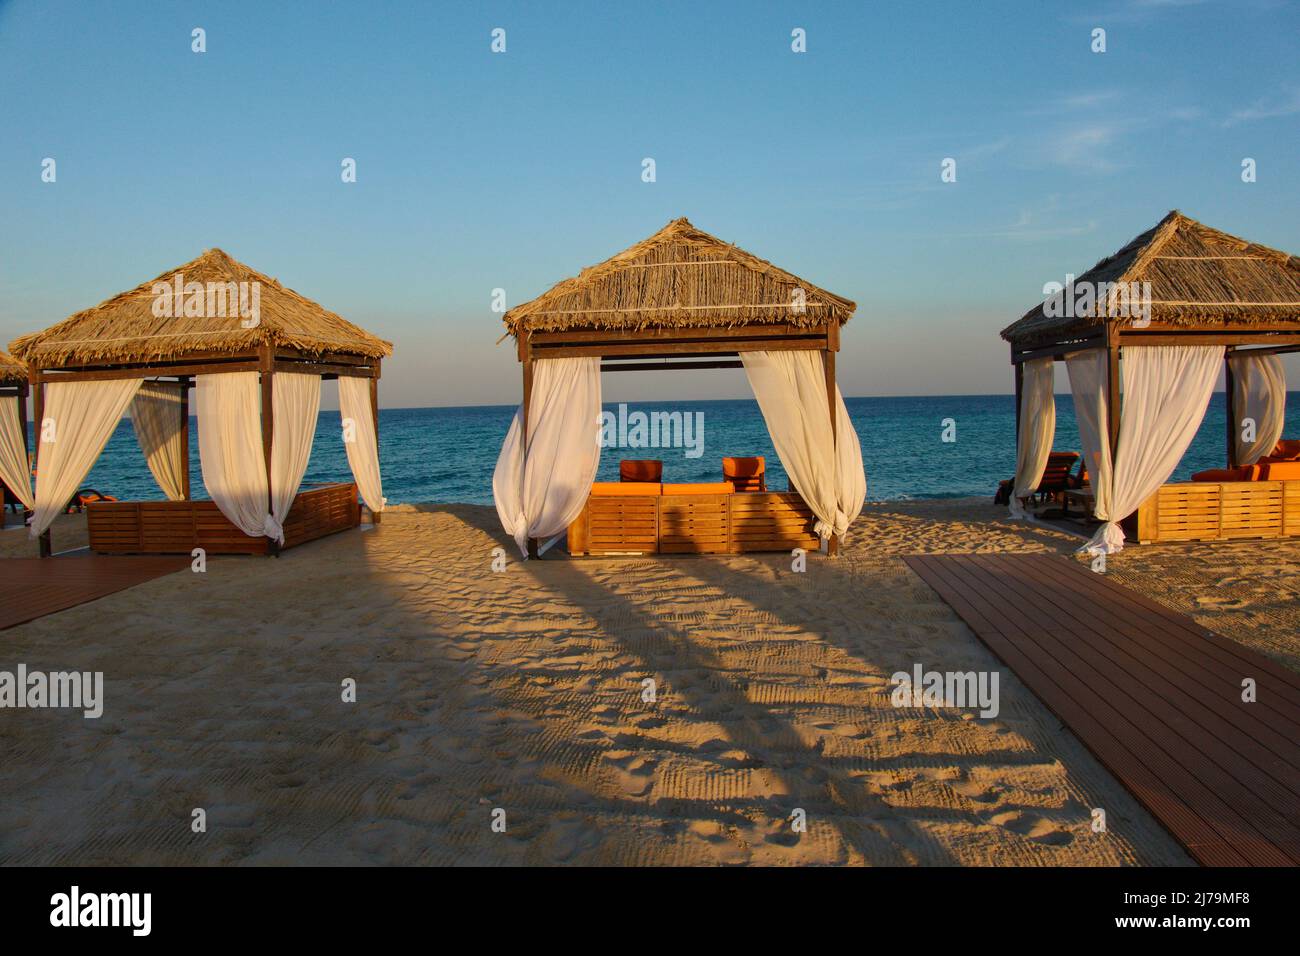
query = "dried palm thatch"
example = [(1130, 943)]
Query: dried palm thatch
[(681, 277), (124, 329), (1199, 277), (12, 371)]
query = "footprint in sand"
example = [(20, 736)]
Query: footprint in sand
[(1031, 827), (635, 772)]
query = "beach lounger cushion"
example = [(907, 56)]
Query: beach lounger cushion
[(1279, 471), (609, 489), (699, 488), (1244, 473), (641, 469)]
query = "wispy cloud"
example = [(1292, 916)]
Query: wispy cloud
[(1043, 221), (1271, 107), (1085, 147)]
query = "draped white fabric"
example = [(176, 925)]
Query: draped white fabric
[(14, 470), (79, 418), (1259, 390), (359, 439), (1166, 391), (827, 474), (1037, 429), (1088, 387), (541, 489), (229, 411), (156, 417), (295, 406)]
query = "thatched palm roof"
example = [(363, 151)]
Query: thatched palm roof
[(124, 328), (1199, 277), (680, 277), (12, 371)]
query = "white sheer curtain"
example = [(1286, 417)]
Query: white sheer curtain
[(1088, 387), (295, 405), (359, 439), (541, 489), (156, 417), (1259, 390), (14, 470), (1037, 429), (1166, 391), (828, 474), (79, 419), (229, 409)]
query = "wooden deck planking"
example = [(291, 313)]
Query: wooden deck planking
[(31, 588), (1155, 696)]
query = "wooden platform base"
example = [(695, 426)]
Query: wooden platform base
[(31, 588), (1155, 696), (178, 527)]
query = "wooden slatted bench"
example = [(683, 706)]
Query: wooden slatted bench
[(1219, 511), (178, 527), (698, 523)]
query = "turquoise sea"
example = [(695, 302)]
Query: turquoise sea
[(447, 454)]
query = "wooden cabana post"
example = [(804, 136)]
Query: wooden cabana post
[(682, 300), (122, 339), (375, 516), (186, 383), (526, 360), (828, 361), (1206, 288), (1229, 409)]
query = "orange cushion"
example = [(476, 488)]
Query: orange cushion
[(641, 469), (1280, 471), (700, 488), (609, 489), (743, 467), (1245, 473)]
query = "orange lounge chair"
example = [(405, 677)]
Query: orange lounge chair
[(641, 470), (745, 474), (84, 497), (1287, 449), (1056, 476)]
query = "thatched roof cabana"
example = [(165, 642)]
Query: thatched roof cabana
[(1174, 302), (126, 329), (681, 299), (211, 316), (679, 278), (1201, 280)]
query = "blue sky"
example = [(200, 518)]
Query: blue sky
[(478, 170)]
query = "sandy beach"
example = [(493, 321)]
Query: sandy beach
[(522, 691)]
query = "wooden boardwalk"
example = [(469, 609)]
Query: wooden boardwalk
[(34, 587), (1155, 696)]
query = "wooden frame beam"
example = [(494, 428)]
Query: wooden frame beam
[(669, 366)]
